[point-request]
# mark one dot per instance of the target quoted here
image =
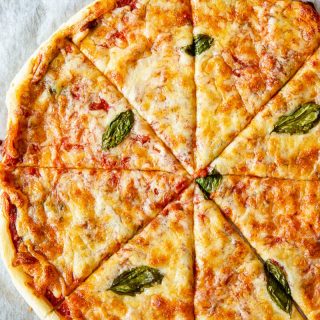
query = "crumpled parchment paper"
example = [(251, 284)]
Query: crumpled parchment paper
[(24, 25)]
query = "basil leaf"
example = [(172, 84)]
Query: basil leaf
[(136, 280), (209, 183), (300, 121), (277, 286), (201, 43), (119, 128)]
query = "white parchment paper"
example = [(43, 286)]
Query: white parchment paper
[(24, 25)]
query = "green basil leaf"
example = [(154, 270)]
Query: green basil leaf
[(300, 121), (135, 280), (278, 286), (201, 43), (119, 128), (209, 183), (190, 49)]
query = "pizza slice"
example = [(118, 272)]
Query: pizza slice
[(64, 113), (151, 277), (57, 225), (283, 139), (280, 218), (139, 47), (231, 282), (221, 114), (245, 51)]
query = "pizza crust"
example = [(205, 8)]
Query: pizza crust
[(19, 278), (53, 316)]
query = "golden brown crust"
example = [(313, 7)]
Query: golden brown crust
[(54, 316)]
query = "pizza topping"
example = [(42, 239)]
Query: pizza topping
[(52, 299), (89, 25), (76, 91), (123, 3), (24, 258), (66, 145), (134, 281), (142, 139), (201, 43), (12, 212), (116, 39), (69, 49), (119, 128), (300, 121), (209, 183), (33, 171), (277, 285), (102, 105), (64, 310)]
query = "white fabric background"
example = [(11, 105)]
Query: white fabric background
[(24, 25)]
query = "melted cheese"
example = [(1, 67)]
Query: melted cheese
[(61, 120), (70, 220), (258, 46), (280, 218), (257, 151), (140, 51), (166, 244)]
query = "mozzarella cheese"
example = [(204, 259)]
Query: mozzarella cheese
[(70, 207), (221, 113)]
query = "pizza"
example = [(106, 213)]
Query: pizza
[(161, 162)]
